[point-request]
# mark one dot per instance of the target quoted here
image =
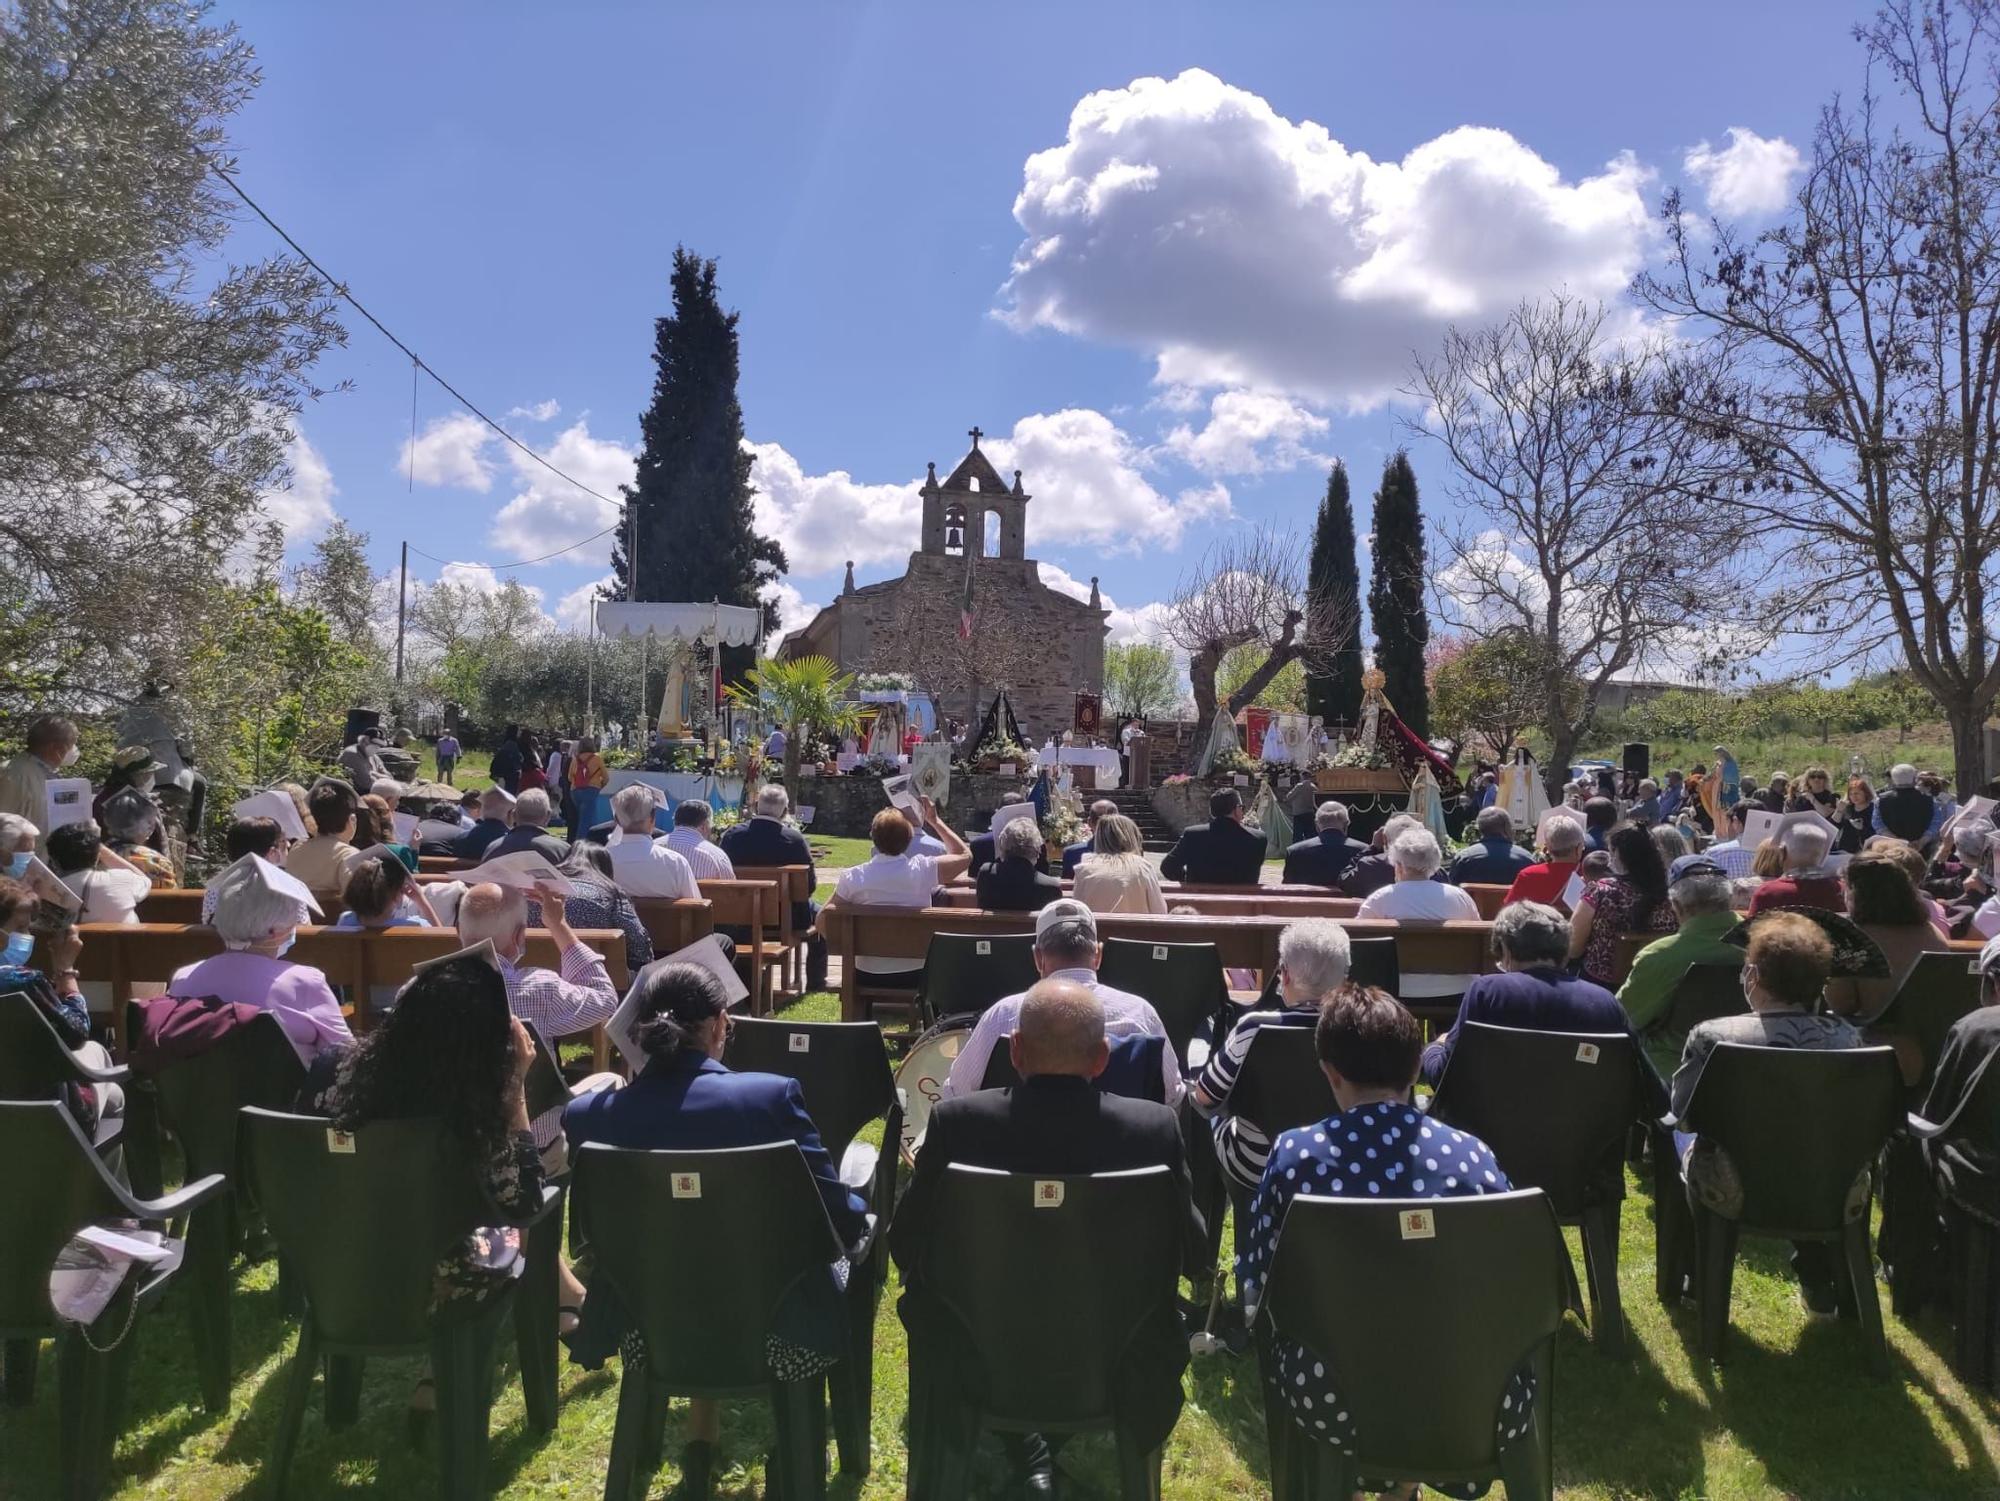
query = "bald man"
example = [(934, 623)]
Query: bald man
[(1054, 1122)]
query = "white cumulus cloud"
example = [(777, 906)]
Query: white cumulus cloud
[(540, 411), (1751, 176), (1084, 473), (1248, 432), (304, 507), (824, 520), (1188, 219), (547, 512), (450, 451), (573, 609)]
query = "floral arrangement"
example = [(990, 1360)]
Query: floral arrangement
[(1233, 760), (1001, 748), (1357, 757), (1063, 824)]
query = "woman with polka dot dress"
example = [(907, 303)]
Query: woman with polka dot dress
[(1377, 1146)]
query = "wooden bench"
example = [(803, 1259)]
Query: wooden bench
[(1487, 898), (1244, 942), (674, 922), (793, 885), (745, 906), (123, 955), (1238, 902)]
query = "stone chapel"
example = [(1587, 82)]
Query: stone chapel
[(1062, 652)]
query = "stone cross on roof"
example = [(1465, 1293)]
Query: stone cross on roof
[(975, 434)]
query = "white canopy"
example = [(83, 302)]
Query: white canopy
[(732, 625)]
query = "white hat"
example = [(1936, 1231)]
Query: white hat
[(276, 806), (274, 879), (1064, 909)]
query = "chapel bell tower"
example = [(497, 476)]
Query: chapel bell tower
[(974, 508)]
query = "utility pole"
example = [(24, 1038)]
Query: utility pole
[(402, 605)]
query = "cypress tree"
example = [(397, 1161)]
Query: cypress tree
[(691, 494), (1333, 590), (1396, 594)]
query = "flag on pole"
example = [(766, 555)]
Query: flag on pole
[(965, 605)]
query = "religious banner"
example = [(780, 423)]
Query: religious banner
[(1089, 713), (930, 771)]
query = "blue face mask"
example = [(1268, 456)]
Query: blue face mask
[(18, 866), (20, 946)]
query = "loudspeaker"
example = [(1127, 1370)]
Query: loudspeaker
[(1639, 760)]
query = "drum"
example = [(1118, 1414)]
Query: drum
[(922, 1074)]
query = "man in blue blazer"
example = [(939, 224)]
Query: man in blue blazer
[(764, 840), (685, 1099), (1323, 859), (1221, 852)]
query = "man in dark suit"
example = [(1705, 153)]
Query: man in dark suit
[(1016, 881), (1495, 859), (1073, 853), (1323, 859), (473, 843), (532, 812), (763, 839), (1221, 852), (1053, 1122), (1373, 871)]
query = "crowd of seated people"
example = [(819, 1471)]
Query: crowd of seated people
[(459, 1038)]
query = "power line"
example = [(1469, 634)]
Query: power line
[(339, 290), (522, 563)]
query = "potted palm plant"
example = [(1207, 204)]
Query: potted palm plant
[(801, 694)]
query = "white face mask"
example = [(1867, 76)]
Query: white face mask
[(68, 757), (144, 782)]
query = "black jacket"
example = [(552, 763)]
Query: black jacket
[(1221, 852), (1906, 812), (541, 841), (478, 839), (981, 846), (1489, 862), (1016, 886), (1321, 860), (1057, 1125), (766, 841)]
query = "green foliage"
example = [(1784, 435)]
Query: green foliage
[(1396, 593), (147, 378), (696, 536), (1285, 691), (1495, 690), (1333, 584), (804, 694), (1139, 678)]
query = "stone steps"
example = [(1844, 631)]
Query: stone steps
[(1138, 806)]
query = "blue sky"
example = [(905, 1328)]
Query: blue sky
[(1219, 292)]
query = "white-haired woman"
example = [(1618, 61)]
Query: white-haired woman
[(1313, 956), (258, 911), (1116, 876), (1015, 881), (18, 838)]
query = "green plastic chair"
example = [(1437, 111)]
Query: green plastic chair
[(842, 1069), (1704, 992), (1006, 1243), (1183, 982), (1941, 989), (34, 1064), (1488, 1280), (1555, 1108), (1970, 1236), (655, 1222), (197, 1101), (54, 1184), (967, 972), (1802, 1129), (362, 1221)]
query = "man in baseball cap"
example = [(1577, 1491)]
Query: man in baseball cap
[(1066, 948), (1701, 892)]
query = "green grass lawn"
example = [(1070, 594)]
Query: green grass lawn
[(1793, 1413)]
